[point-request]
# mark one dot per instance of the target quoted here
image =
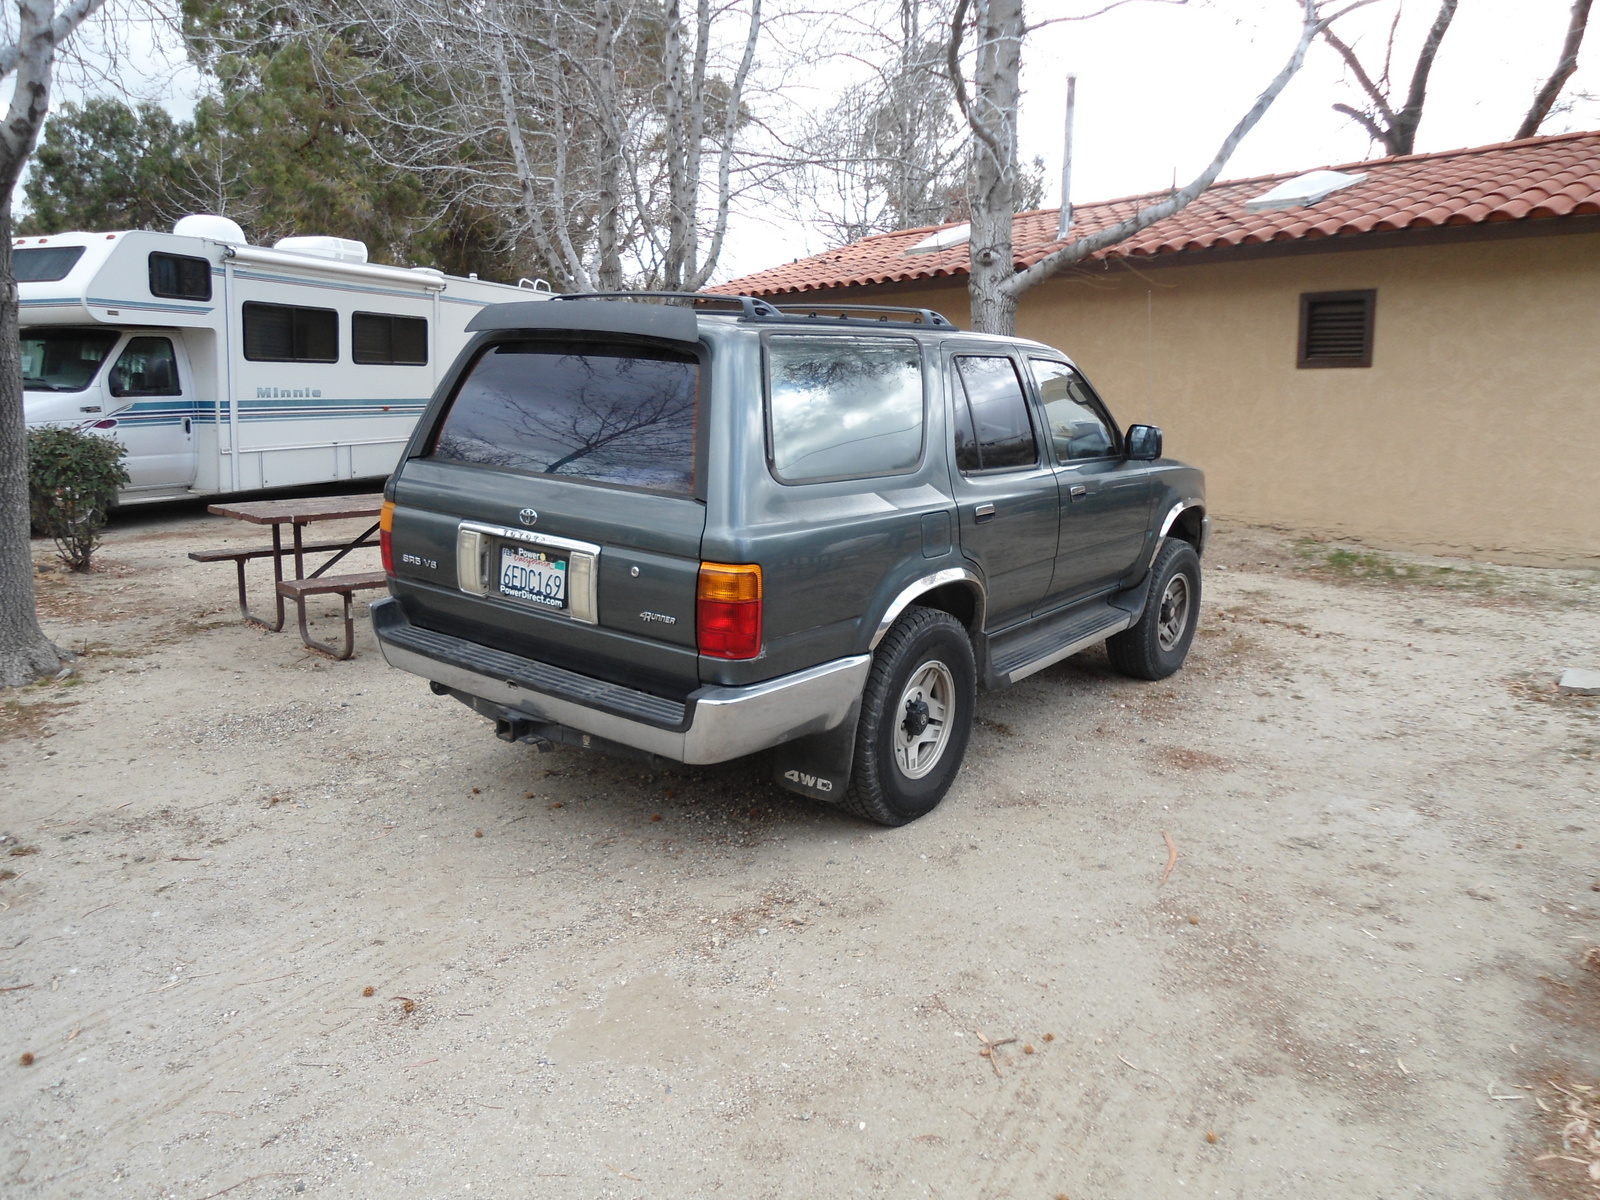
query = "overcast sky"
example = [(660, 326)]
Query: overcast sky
[(1159, 86)]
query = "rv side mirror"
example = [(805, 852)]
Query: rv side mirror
[(1144, 443)]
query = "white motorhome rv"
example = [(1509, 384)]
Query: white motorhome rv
[(225, 367)]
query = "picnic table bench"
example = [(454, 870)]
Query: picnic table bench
[(297, 514)]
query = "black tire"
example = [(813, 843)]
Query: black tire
[(923, 643), (1156, 645)]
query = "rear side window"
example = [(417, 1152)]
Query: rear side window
[(993, 429), (843, 408), (180, 277), (279, 333), (381, 338), (45, 264), (610, 414)]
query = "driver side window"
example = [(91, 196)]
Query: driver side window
[(1077, 428), (146, 367)]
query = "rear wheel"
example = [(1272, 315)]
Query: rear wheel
[(1156, 645), (916, 717)]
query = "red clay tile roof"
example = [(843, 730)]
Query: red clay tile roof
[(1529, 180)]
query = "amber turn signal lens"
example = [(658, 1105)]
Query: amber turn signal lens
[(385, 524), (732, 584)]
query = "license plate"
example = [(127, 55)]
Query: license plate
[(533, 576)]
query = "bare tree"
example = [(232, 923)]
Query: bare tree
[(991, 108), (604, 137), (1394, 128), (29, 60), (1544, 100), (891, 152)]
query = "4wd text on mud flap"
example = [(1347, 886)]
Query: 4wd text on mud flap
[(810, 781)]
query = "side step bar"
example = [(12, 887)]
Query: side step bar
[(1015, 656)]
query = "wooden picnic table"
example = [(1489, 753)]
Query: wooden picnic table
[(297, 514)]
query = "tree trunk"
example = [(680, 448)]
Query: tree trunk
[(679, 210), (608, 269), (25, 653), (993, 109)]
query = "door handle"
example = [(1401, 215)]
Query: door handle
[(1078, 491), (984, 512)]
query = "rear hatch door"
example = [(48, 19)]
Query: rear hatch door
[(553, 511)]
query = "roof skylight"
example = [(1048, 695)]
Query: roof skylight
[(943, 239), (1303, 189)]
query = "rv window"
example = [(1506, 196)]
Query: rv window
[(146, 367), (45, 264), (63, 358), (278, 333), (382, 338), (180, 277), (611, 414)]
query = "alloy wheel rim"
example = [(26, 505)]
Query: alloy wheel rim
[(1173, 619), (923, 719)]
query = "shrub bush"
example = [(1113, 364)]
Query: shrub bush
[(72, 482)]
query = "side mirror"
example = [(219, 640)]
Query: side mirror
[(1144, 443)]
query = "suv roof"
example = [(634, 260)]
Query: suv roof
[(604, 312)]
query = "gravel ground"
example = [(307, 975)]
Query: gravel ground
[(275, 926)]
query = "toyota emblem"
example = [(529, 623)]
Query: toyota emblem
[(528, 516)]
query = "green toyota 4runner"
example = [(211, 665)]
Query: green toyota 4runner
[(695, 528)]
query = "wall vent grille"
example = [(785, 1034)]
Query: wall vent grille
[(1336, 329)]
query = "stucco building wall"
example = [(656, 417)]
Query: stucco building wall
[(1475, 431)]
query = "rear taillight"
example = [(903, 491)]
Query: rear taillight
[(728, 610), (385, 547)]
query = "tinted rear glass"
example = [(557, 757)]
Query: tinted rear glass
[(45, 264), (611, 414), (844, 408)]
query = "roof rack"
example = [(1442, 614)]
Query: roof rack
[(751, 308), (852, 313)]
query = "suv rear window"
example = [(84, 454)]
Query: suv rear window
[(611, 414), (843, 408)]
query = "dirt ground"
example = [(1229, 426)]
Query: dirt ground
[(274, 925)]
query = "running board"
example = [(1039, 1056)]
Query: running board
[(1035, 647)]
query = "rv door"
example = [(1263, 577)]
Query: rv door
[(151, 411)]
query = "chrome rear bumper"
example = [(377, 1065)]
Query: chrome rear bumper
[(714, 724)]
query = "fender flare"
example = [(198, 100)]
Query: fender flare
[(1167, 522), (908, 595)]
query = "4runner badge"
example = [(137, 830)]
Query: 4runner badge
[(810, 781), (529, 516)]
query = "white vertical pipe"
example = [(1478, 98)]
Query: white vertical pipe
[(1065, 223)]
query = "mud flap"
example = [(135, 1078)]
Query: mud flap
[(818, 765)]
